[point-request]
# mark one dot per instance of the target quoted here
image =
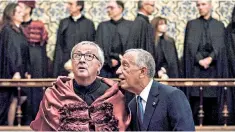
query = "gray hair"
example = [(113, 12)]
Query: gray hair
[(100, 51), (144, 59)]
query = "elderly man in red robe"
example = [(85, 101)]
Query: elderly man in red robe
[(85, 102)]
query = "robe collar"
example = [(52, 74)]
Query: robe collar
[(201, 18), (86, 89), (117, 22), (143, 16), (27, 22)]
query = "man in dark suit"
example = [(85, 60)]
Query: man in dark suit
[(142, 33), (205, 57), (72, 30), (156, 107)]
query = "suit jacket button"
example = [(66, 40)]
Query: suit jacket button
[(154, 103)]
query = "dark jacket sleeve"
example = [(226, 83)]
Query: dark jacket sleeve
[(179, 112)]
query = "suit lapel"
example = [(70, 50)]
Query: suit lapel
[(151, 105)]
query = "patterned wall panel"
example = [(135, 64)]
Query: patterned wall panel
[(178, 12)]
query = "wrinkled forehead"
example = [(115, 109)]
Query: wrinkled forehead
[(86, 48)]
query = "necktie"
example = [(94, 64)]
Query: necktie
[(140, 110)]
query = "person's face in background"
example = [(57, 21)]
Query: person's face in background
[(73, 8), (149, 7), (18, 15), (162, 26), (26, 9), (114, 10), (204, 7)]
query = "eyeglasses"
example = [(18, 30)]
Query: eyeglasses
[(87, 56)]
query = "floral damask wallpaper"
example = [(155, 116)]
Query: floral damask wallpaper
[(178, 12)]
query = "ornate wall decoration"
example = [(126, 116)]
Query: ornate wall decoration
[(178, 12)]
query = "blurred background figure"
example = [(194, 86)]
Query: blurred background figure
[(205, 57), (14, 58), (72, 30), (142, 32), (112, 36), (230, 45), (166, 57), (37, 37)]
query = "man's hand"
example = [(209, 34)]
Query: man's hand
[(27, 75), (114, 62), (208, 60), (16, 76), (161, 72), (68, 65), (205, 62)]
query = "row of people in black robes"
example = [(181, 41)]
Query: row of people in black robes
[(22, 54), (115, 36), (205, 57)]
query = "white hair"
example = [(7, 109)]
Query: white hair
[(144, 59)]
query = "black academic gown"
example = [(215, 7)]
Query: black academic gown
[(193, 38), (142, 34), (69, 34), (230, 45), (14, 57), (38, 68), (112, 37), (166, 56)]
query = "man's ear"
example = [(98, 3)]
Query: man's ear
[(143, 72), (100, 66)]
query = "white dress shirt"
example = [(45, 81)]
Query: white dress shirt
[(145, 93)]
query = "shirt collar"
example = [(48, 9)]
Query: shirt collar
[(75, 18), (145, 93), (142, 13), (143, 16), (210, 18), (117, 22)]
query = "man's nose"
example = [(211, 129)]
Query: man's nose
[(82, 59), (119, 71)]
